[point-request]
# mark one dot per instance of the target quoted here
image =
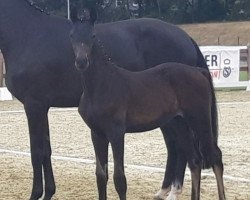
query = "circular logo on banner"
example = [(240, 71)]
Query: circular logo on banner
[(227, 71)]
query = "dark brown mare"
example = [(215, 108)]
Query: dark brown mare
[(116, 101), (41, 73)]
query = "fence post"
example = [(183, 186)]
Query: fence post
[(1, 69), (248, 60)]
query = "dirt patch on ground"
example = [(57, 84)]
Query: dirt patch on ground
[(75, 180)]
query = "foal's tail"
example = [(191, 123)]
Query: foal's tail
[(208, 154), (214, 116)]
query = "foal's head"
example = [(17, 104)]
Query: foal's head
[(82, 37)]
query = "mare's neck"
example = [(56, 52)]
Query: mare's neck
[(18, 21), (102, 72)]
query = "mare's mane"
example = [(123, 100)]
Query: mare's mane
[(36, 7)]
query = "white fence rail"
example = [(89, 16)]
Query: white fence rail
[(245, 85)]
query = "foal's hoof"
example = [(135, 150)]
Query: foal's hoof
[(158, 198), (162, 194)]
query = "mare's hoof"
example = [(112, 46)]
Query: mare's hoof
[(162, 194), (36, 195), (175, 191), (47, 198)]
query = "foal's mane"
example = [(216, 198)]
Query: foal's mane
[(99, 47)]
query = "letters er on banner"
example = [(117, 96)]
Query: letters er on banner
[(223, 62)]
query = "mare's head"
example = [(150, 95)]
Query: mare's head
[(82, 37)]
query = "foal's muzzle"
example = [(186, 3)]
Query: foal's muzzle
[(82, 64)]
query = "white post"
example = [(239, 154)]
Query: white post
[(1, 69), (248, 60), (68, 6), (248, 64)]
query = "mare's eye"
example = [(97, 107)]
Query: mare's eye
[(93, 36)]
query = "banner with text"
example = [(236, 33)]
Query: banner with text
[(223, 62)]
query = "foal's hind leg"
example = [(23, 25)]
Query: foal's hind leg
[(101, 150), (196, 180), (40, 149)]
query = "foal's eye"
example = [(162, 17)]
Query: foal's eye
[(93, 36)]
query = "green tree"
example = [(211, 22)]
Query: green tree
[(175, 11), (58, 7), (239, 10)]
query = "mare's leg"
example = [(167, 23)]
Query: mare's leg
[(187, 146), (50, 187), (116, 139), (101, 151), (40, 149), (175, 168), (218, 171), (176, 188)]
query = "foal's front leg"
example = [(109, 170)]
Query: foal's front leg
[(117, 143), (101, 151)]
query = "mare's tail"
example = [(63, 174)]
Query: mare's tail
[(201, 63), (214, 116), (200, 59)]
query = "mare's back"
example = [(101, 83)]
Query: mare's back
[(142, 43)]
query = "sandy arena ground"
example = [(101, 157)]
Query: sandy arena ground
[(75, 180)]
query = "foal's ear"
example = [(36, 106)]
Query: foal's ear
[(74, 14), (90, 15)]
